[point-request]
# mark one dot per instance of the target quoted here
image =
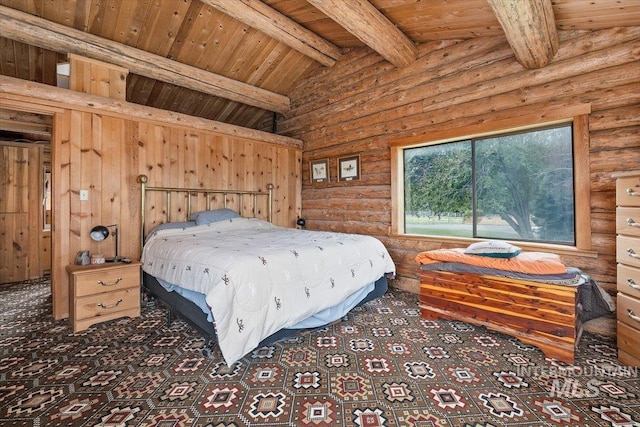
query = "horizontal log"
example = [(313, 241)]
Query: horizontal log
[(614, 139), (624, 160), (375, 230), (627, 94), (407, 284), (63, 98), (624, 116), (603, 222), (602, 201), (371, 192), (345, 214)]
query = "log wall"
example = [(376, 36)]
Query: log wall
[(363, 103)]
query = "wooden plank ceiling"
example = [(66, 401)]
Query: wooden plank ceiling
[(236, 61)]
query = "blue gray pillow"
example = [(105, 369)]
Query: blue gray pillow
[(207, 217)]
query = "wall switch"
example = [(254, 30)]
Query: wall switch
[(84, 195)]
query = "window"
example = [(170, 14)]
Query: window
[(524, 177), (516, 186)]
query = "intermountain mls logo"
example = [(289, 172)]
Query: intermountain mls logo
[(578, 382)]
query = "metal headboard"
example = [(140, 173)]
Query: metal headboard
[(168, 191)]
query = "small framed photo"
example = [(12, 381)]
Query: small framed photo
[(319, 170), (349, 168)]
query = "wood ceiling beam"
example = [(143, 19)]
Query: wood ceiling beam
[(364, 21), (41, 97), (30, 29), (279, 27), (530, 28)]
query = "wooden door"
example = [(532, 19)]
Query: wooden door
[(20, 216)]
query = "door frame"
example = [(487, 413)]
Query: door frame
[(56, 114)]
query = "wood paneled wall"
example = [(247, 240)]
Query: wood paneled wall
[(363, 103), (105, 154), (103, 147)]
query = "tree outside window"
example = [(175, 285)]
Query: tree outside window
[(516, 186)]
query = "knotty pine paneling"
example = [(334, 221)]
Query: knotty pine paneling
[(105, 154), (360, 110)]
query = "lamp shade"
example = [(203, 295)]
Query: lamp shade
[(99, 233)]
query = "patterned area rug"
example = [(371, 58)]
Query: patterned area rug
[(382, 365)]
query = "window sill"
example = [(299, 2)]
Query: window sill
[(527, 246)]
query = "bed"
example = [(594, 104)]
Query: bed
[(532, 296), (244, 282)]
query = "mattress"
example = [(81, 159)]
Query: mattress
[(258, 278)]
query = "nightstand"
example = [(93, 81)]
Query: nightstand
[(103, 292)]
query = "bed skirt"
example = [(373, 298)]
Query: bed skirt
[(193, 314)]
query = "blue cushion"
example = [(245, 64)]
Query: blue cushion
[(207, 217)]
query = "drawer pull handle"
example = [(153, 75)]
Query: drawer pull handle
[(118, 280), (632, 223), (631, 253), (632, 283), (101, 305), (632, 315), (630, 192)]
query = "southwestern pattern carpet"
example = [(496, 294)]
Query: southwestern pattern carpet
[(381, 365)]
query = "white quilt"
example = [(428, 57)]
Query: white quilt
[(259, 278)]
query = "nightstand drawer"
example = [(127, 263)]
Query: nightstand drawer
[(629, 311), (107, 280), (107, 303), (629, 280)]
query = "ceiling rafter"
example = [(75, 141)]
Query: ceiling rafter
[(371, 27), (530, 28), (30, 29), (279, 27)]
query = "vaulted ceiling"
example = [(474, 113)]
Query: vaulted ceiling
[(237, 61)]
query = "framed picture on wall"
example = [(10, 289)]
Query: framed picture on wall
[(349, 168), (319, 170)]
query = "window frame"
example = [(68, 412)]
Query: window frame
[(577, 114)]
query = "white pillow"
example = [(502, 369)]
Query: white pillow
[(493, 249)]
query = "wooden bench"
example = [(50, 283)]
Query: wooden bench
[(540, 314)]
